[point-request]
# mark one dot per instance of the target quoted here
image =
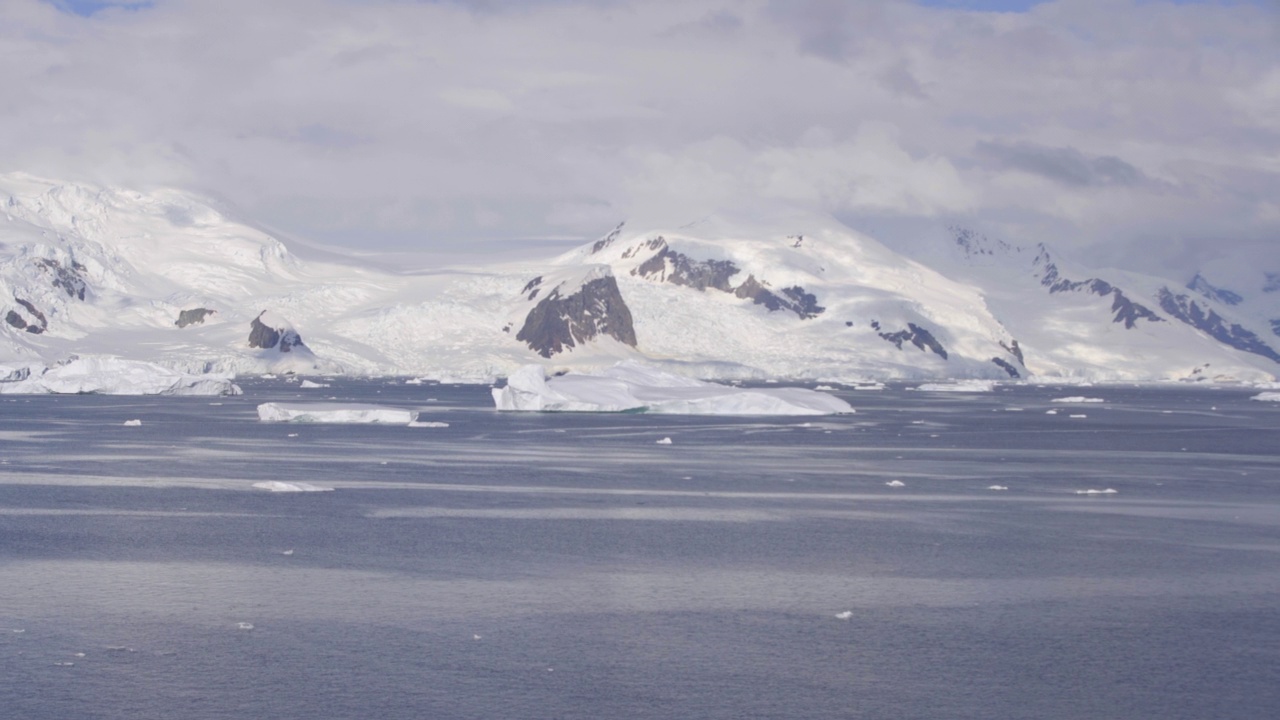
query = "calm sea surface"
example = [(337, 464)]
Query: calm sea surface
[(569, 566)]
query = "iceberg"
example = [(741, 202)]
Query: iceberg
[(1267, 396), (1077, 399), (115, 376), (962, 386), (334, 413), (632, 387)]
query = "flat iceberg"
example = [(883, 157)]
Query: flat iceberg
[(1077, 399), (632, 387), (961, 386), (1267, 396), (115, 376), (334, 413), (277, 486)]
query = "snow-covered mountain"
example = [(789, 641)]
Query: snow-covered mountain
[(166, 276)]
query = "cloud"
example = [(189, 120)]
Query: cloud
[(1122, 128)]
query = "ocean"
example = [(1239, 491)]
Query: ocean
[(571, 566)]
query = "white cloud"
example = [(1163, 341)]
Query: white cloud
[(1118, 126)]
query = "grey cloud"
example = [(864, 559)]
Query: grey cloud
[(1061, 164)]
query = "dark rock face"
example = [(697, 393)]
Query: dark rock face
[(1275, 326), (974, 244), (914, 334), (1006, 366), (263, 336), (1202, 286), (1015, 351), (1190, 312), (668, 265), (194, 316), (67, 278), (36, 325), (559, 322), (607, 240), (1126, 311)]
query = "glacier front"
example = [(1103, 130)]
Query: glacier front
[(632, 387), (112, 376)]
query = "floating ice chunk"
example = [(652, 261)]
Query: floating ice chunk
[(1050, 412), (475, 637), (1266, 397), (1078, 416), (244, 625), (896, 483), (632, 387), (268, 376), (663, 441), (278, 486), (997, 487), (428, 424), (844, 615), (119, 648), (308, 385), (1108, 491), (960, 386), (100, 375), (64, 664), (133, 423), (79, 655), (287, 552), (824, 387), (1077, 399), (334, 413)]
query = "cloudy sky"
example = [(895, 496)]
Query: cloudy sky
[(1144, 133)]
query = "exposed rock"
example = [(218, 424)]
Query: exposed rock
[(607, 240), (67, 278), (559, 322), (1202, 286), (1015, 351), (916, 335), (1208, 321), (1006, 366), (36, 324), (1126, 311), (804, 305), (667, 265), (1275, 326), (194, 316), (273, 333)]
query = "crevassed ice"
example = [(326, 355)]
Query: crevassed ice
[(115, 376)]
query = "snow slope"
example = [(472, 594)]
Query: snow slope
[(168, 277)]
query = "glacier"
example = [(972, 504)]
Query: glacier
[(632, 387), (111, 376)]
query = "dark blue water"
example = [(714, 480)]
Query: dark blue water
[(567, 566)]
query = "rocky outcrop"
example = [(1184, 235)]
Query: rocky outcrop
[(67, 278), (270, 332), (560, 322), (1016, 351), (35, 322), (914, 334), (194, 316), (1275, 326), (1204, 287), (667, 265), (1006, 366), (607, 240), (1210, 322), (1126, 311)]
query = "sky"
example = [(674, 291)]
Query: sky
[(1140, 134)]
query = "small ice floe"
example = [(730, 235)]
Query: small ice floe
[(79, 655), (133, 423), (1078, 416), (215, 404), (428, 424), (997, 487), (292, 435), (1108, 491), (896, 483), (268, 376), (663, 441), (244, 625), (1050, 412), (1077, 399), (278, 486), (960, 386), (917, 422), (287, 552), (413, 381), (824, 387), (64, 664), (1013, 409), (1266, 397), (308, 385), (334, 413), (475, 637), (119, 649), (844, 615)]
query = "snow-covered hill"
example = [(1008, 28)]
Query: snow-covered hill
[(166, 276)]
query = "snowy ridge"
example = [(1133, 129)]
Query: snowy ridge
[(165, 277)]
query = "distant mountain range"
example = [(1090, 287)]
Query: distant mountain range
[(167, 277)]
